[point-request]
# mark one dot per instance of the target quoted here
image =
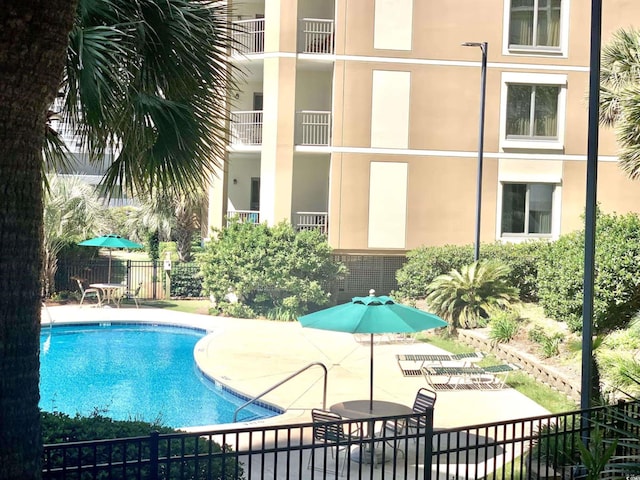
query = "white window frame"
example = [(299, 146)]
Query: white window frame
[(561, 51), (555, 209), (533, 79)]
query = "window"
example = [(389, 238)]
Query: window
[(532, 114), (527, 209), (536, 27), (532, 111)]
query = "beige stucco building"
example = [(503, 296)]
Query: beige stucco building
[(361, 117)]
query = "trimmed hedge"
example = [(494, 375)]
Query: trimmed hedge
[(426, 263), (617, 275), (61, 428)]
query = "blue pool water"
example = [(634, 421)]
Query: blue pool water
[(132, 372)]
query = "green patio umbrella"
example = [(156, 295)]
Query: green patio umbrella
[(110, 242), (372, 315)]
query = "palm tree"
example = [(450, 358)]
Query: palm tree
[(466, 297), (173, 216), (620, 95), (145, 79), (72, 212)]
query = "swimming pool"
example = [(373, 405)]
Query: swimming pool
[(140, 372)]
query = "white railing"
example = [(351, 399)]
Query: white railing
[(314, 128), (248, 36), (245, 216), (312, 220), (317, 36), (246, 127)]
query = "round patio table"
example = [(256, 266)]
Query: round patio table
[(359, 409)]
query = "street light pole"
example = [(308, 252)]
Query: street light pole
[(484, 47)]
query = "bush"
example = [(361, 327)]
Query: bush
[(59, 428), (503, 326), (270, 269), (616, 282), (426, 263), (186, 281), (523, 260)]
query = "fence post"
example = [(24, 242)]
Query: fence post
[(153, 455)]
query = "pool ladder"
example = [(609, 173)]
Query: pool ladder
[(293, 375)]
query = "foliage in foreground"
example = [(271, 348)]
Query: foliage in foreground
[(467, 297), (274, 271), (616, 282), (61, 428)]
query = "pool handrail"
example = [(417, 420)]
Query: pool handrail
[(294, 374)]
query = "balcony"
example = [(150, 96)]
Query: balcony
[(312, 221), (244, 216), (248, 36), (246, 127), (313, 128), (316, 36)]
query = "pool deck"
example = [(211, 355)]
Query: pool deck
[(250, 356)]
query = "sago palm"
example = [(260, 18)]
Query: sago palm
[(466, 297)]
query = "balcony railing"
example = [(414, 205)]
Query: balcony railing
[(317, 36), (312, 221), (314, 128), (246, 127), (248, 36), (244, 216)]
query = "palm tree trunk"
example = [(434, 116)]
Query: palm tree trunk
[(33, 41)]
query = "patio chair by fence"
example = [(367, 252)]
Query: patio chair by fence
[(131, 295), (424, 400), (88, 292), (328, 434)]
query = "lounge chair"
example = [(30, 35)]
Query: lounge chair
[(468, 376), (88, 292), (411, 364)]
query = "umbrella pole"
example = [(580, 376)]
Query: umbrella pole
[(371, 376), (109, 274)]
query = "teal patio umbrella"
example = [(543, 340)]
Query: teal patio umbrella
[(110, 242), (372, 315)]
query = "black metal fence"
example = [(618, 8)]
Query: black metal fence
[(365, 272), (537, 447)]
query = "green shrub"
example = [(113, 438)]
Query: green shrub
[(550, 345), (59, 427), (523, 260), (186, 281), (616, 282), (503, 326), (235, 310), (267, 266), (536, 334), (426, 263)]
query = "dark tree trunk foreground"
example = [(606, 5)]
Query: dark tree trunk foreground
[(33, 42)]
